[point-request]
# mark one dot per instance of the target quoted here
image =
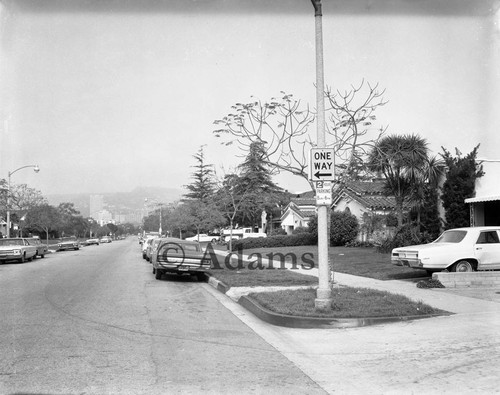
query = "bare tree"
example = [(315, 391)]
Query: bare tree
[(282, 127), (351, 114)]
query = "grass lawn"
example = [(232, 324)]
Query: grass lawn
[(262, 278), (347, 303), (359, 261)]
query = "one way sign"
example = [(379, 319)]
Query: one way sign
[(322, 168)]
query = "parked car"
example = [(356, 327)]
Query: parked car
[(106, 239), (92, 241), (151, 248), (180, 257), (456, 250), (68, 243), (145, 242), (18, 249), (203, 238), (41, 249)]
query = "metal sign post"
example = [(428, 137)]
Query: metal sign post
[(323, 299)]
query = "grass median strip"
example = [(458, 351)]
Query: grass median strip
[(347, 302)]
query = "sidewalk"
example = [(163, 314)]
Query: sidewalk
[(441, 355)]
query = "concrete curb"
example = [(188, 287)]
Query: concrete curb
[(290, 321)]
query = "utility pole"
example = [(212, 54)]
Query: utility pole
[(323, 299)]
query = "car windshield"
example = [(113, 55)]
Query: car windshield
[(11, 242), (451, 236)]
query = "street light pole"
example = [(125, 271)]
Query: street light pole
[(159, 205), (323, 293), (36, 170)]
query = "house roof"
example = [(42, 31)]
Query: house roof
[(303, 213), (304, 199), (370, 194), (482, 199)]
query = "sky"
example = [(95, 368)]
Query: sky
[(105, 96)]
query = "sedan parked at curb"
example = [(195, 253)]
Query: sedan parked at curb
[(105, 239), (68, 243), (203, 238), (180, 257), (456, 250), (92, 241), (41, 249), (18, 249)]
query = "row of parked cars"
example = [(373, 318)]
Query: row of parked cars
[(169, 255), (22, 249)]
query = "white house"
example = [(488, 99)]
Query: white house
[(298, 212), (485, 206)]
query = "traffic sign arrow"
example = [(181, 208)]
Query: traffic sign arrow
[(320, 175)]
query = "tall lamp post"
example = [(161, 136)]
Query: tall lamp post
[(159, 205), (36, 169)]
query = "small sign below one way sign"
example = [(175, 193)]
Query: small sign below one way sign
[(322, 168), (323, 193)]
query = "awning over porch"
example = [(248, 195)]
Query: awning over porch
[(482, 199)]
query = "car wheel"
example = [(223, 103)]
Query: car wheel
[(213, 241), (158, 274), (462, 266), (154, 270), (22, 259), (42, 256)]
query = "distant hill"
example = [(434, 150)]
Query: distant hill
[(119, 202)]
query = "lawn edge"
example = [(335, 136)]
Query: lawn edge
[(302, 322)]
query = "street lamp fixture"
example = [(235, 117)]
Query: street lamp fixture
[(36, 169)]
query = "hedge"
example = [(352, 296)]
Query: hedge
[(301, 239)]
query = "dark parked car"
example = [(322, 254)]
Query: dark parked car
[(180, 257), (41, 249), (68, 243)]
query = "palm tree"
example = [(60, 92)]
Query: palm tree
[(403, 160)]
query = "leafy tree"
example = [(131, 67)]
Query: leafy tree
[(203, 216), (112, 228), (230, 196), (44, 217), (458, 186), (202, 187), (71, 222), (256, 186), (202, 212), (402, 160)]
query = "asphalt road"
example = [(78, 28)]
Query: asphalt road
[(95, 321)]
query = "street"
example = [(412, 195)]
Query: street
[(95, 321)]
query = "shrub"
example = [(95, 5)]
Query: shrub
[(300, 229), (344, 228), (300, 239), (405, 235), (277, 232)]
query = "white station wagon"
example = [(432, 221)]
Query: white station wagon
[(456, 250)]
